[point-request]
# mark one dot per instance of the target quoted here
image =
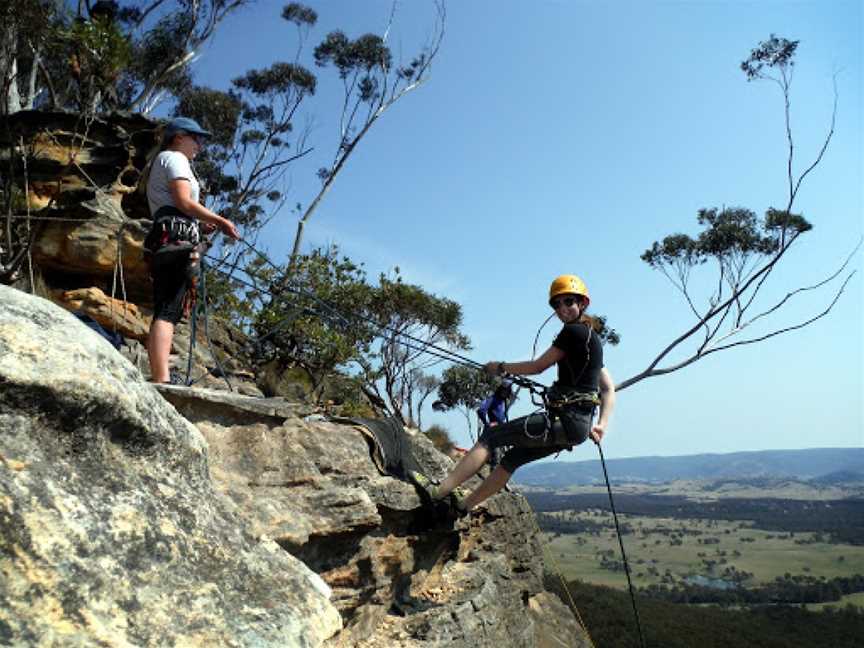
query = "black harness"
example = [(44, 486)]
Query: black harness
[(171, 239)]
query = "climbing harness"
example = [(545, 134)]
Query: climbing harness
[(172, 238), (572, 398)]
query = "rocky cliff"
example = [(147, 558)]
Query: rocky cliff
[(197, 518)]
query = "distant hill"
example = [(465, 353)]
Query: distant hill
[(823, 465), (840, 477)]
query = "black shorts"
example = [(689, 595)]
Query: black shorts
[(170, 284), (538, 435)]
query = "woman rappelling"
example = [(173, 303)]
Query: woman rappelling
[(568, 419)]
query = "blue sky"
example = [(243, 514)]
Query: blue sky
[(566, 137)]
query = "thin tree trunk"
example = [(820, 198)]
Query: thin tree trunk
[(9, 69)]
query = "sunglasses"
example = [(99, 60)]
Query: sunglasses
[(564, 301)]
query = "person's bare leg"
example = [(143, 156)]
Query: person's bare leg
[(491, 485), (159, 349), (465, 469)]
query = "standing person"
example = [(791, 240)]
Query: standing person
[(582, 382), (493, 410), (173, 197)]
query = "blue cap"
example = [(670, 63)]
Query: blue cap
[(185, 125)]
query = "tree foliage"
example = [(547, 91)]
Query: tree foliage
[(327, 316), (440, 438), (104, 55), (776, 53), (313, 325), (742, 249), (409, 320), (464, 388)]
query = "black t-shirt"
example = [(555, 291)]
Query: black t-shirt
[(579, 370)]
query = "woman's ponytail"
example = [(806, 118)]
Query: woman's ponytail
[(148, 165)]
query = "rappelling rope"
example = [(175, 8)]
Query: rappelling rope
[(193, 325), (118, 271), (621, 545), (204, 310), (29, 240)]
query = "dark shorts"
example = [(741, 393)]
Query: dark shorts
[(537, 435), (170, 284)]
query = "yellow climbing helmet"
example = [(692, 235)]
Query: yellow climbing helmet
[(569, 285)]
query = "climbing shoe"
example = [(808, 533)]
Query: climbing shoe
[(424, 484), (457, 502)]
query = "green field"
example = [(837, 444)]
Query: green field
[(856, 599), (668, 550), (701, 490)]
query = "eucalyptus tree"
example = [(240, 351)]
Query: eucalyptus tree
[(742, 250), (325, 317), (371, 84), (103, 55), (262, 126), (409, 321), (464, 388)]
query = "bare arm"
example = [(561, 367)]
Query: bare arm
[(527, 367), (181, 193), (607, 405)]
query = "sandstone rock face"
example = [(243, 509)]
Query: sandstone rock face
[(401, 574), (86, 253), (71, 158), (110, 530), (83, 174), (107, 311), (224, 520)]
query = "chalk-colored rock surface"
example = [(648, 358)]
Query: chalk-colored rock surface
[(110, 530)]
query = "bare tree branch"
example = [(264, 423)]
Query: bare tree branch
[(739, 265), (348, 144), (789, 328), (824, 144), (791, 294)]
